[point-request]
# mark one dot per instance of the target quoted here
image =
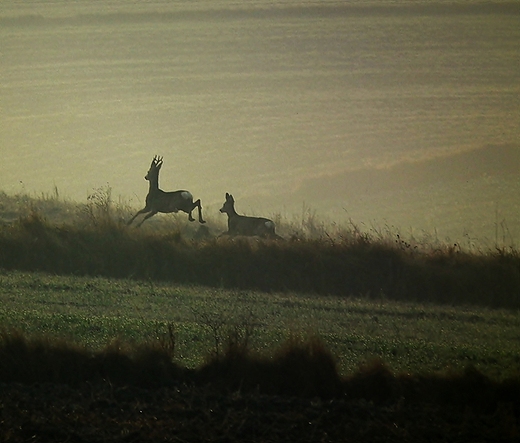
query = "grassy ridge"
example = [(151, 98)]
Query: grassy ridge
[(350, 264)]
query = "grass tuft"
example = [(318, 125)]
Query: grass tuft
[(41, 360), (301, 369), (373, 381)]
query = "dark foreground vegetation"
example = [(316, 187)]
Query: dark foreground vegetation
[(53, 391)]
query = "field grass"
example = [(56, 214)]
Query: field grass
[(408, 337)]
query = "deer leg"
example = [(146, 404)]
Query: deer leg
[(146, 217), (189, 210), (145, 209), (199, 206)]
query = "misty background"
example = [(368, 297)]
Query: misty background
[(386, 113)]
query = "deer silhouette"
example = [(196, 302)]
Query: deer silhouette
[(158, 200), (244, 225)]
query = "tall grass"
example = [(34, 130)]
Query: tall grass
[(348, 263)]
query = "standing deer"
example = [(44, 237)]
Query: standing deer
[(159, 201), (243, 225)]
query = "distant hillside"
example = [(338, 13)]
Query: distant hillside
[(469, 194), (462, 167)]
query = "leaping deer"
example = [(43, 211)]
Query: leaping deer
[(247, 226), (159, 201)]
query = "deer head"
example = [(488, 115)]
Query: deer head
[(154, 167), (229, 205)]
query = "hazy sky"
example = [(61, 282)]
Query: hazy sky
[(385, 111)]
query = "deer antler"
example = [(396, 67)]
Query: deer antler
[(157, 161)]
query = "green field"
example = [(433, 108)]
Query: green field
[(408, 337)]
